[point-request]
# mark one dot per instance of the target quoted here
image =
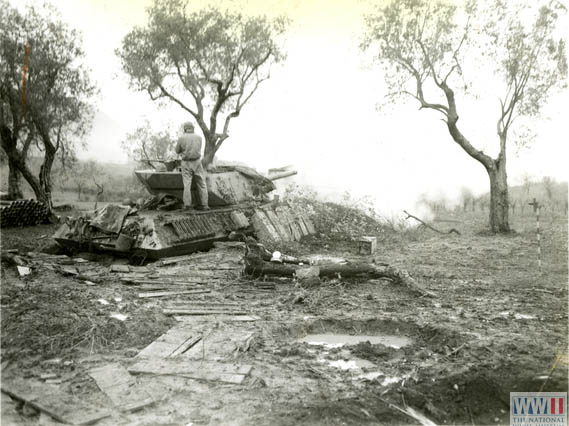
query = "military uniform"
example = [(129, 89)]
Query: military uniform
[(189, 148)]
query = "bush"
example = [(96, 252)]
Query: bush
[(345, 220)]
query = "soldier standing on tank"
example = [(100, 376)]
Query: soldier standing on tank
[(189, 147)]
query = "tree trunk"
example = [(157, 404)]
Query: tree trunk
[(14, 189), (499, 203), (45, 177), (209, 151)]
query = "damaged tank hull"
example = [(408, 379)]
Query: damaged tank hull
[(237, 195), (156, 234)]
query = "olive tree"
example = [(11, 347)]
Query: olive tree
[(145, 144), (433, 51), (207, 62), (44, 93)]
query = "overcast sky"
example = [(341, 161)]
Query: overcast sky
[(318, 111)]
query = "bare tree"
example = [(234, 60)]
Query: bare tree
[(425, 48), (218, 58)]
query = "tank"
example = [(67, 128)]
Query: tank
[(239, 201)]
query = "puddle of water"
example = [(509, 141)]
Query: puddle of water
[(339, 340)]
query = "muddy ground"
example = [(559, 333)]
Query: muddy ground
[(496, 324)]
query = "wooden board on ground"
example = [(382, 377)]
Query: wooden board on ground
[(172, 343), (51, 400), (197, 370), (170, 293), (204, 308), (121, 388), (180, 311), (221, 344), (221, 318)]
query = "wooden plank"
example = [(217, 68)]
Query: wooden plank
[(184, 258), (121, 388), (229, 373), (309, 225), (294, 227), (263, 227), (185, 346), (172, 343), (193, 304), (219, 318), (49, 399), (301, 225), (275, 221), (158, 350), (201, 312), (170, 293), (120, 268), (175, 336)]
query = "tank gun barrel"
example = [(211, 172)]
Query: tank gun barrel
[(282, 175)]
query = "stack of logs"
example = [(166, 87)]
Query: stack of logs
[(22, 213)]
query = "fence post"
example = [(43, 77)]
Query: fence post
[(536, 207)]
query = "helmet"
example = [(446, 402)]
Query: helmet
[(188, 125)]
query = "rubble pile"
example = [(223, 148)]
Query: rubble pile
[(22, 213)]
